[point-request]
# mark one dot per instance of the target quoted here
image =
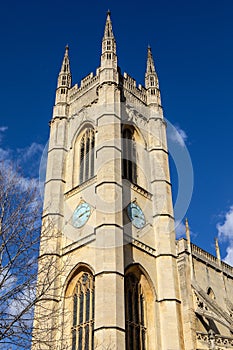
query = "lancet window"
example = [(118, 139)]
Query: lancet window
[(129, 156), (87, 146), (83, 313), (135, 314)]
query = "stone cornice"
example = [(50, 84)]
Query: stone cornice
[(80, 187), (139, 244)]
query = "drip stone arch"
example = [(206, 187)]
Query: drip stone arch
[(78, 313), (84, 154), (134, 155), (140, 309)]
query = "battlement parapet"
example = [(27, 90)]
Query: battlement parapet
[(206, 257), (86, 83), (130, 85)]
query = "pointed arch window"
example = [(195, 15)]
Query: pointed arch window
[(135, 314), (210, 292), (83, 313), (129, 156), (87, 146)]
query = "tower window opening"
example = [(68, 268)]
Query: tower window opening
[(153, 92), (108, 45), (87, 146), (63, 82), (66, 68), (83, 302), (152, 81), (129, 156), (63, 91), (109, 56), (135, 322)]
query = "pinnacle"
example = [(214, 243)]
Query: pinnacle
[(150, 62), (108, 32)]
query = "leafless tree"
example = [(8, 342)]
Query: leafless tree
[(20, 226)]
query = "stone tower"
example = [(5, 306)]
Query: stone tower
[(108, 272)]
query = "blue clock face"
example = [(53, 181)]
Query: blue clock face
[(81, 215), (136, 215)]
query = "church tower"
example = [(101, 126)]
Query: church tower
[(108, 275)]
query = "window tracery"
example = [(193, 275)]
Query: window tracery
[(87, 146), (135, 314), (83, 313), (129, 156)]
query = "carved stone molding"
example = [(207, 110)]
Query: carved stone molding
[(134, 116), (218, 342), (207, 307)]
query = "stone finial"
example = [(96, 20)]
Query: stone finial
[(187, 230), (218, 256), (211, 336)]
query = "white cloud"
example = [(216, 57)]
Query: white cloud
[(4, 153), (225, 233), (2, 130), (29, 152), (177, 135), (25, 297), (23, 164)]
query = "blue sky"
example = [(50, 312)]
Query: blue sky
[(192, 44)]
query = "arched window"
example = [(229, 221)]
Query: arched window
[(87, 146), (135, 314), (210, 292), (83, 313), (129, 156)]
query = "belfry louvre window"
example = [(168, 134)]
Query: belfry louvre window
[(135, 314), (87, 146), (129, 156), (83, 313)]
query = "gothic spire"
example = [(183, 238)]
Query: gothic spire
[(108, 32), (151, 78), (150, 61), (152, 83), (108, 57), (64, 78)]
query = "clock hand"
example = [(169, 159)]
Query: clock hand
[(85, 212)]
